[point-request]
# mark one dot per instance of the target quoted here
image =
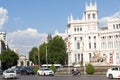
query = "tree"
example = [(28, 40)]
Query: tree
[(8, 58), (57, 51), (33, 55), (42, 48)]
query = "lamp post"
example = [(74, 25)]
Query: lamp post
[(38, 58), (46, 56)]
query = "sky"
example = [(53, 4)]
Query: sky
[(27, 22)]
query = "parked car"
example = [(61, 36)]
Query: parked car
[(1, 71), (26, 71), (17, 69), (9, 74), (113, 72), (45, 72)]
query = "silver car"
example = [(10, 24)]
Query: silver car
[(9, 74)]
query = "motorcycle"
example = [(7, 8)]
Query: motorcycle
[(74, 73)]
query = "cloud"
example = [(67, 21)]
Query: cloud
[(103, 21), (3, 16), (25, 40)]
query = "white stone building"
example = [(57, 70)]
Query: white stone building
[(87, 43)]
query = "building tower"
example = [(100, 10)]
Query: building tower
[(91, 16)]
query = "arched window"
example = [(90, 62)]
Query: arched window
[(93, 16), (88, 16)]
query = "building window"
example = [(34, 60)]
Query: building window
[(88, 16), (75, 38), (110, 44), (94, 45), (80, 38), (93, 16), (116, 44), (103, 37), (75, 29), (109, 37), (89, 37), (103, 45), (81, 58), (95, 37), (78, 45), (90, 56), (80, 29), (113, 26), (89, 45), (78, 57), (116, 36), (75, 58), (116, 26)]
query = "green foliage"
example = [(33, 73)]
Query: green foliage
[(35, 70), (33, 55), (9, 58), (43, 48), (57, 51), (53, 68), (90, 69)]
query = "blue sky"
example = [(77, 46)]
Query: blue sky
[(26, 20)]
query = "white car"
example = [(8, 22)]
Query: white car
[(9, 74), (45, 72), (113, 72)]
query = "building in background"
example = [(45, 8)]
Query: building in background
[(3, 43), (24, 61)]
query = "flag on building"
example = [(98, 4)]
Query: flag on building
[(68, 44), (82, 45)]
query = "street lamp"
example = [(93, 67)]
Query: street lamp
[(46, 56), (38, 58)]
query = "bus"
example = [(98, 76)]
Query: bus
[(49, 65)]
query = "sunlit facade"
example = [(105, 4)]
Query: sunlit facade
[(86, 43)]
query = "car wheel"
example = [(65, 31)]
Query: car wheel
[(44, 74), (38, 74), (110, 76)]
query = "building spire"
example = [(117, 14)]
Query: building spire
[(83, 17), (95, 4), (90, 2), (86, 4), (70, 18)]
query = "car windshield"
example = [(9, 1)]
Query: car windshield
[(10, 72), (46, 69)]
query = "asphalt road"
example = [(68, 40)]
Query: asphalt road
[(60, 77)]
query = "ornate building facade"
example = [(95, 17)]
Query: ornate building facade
[(86, 43)]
